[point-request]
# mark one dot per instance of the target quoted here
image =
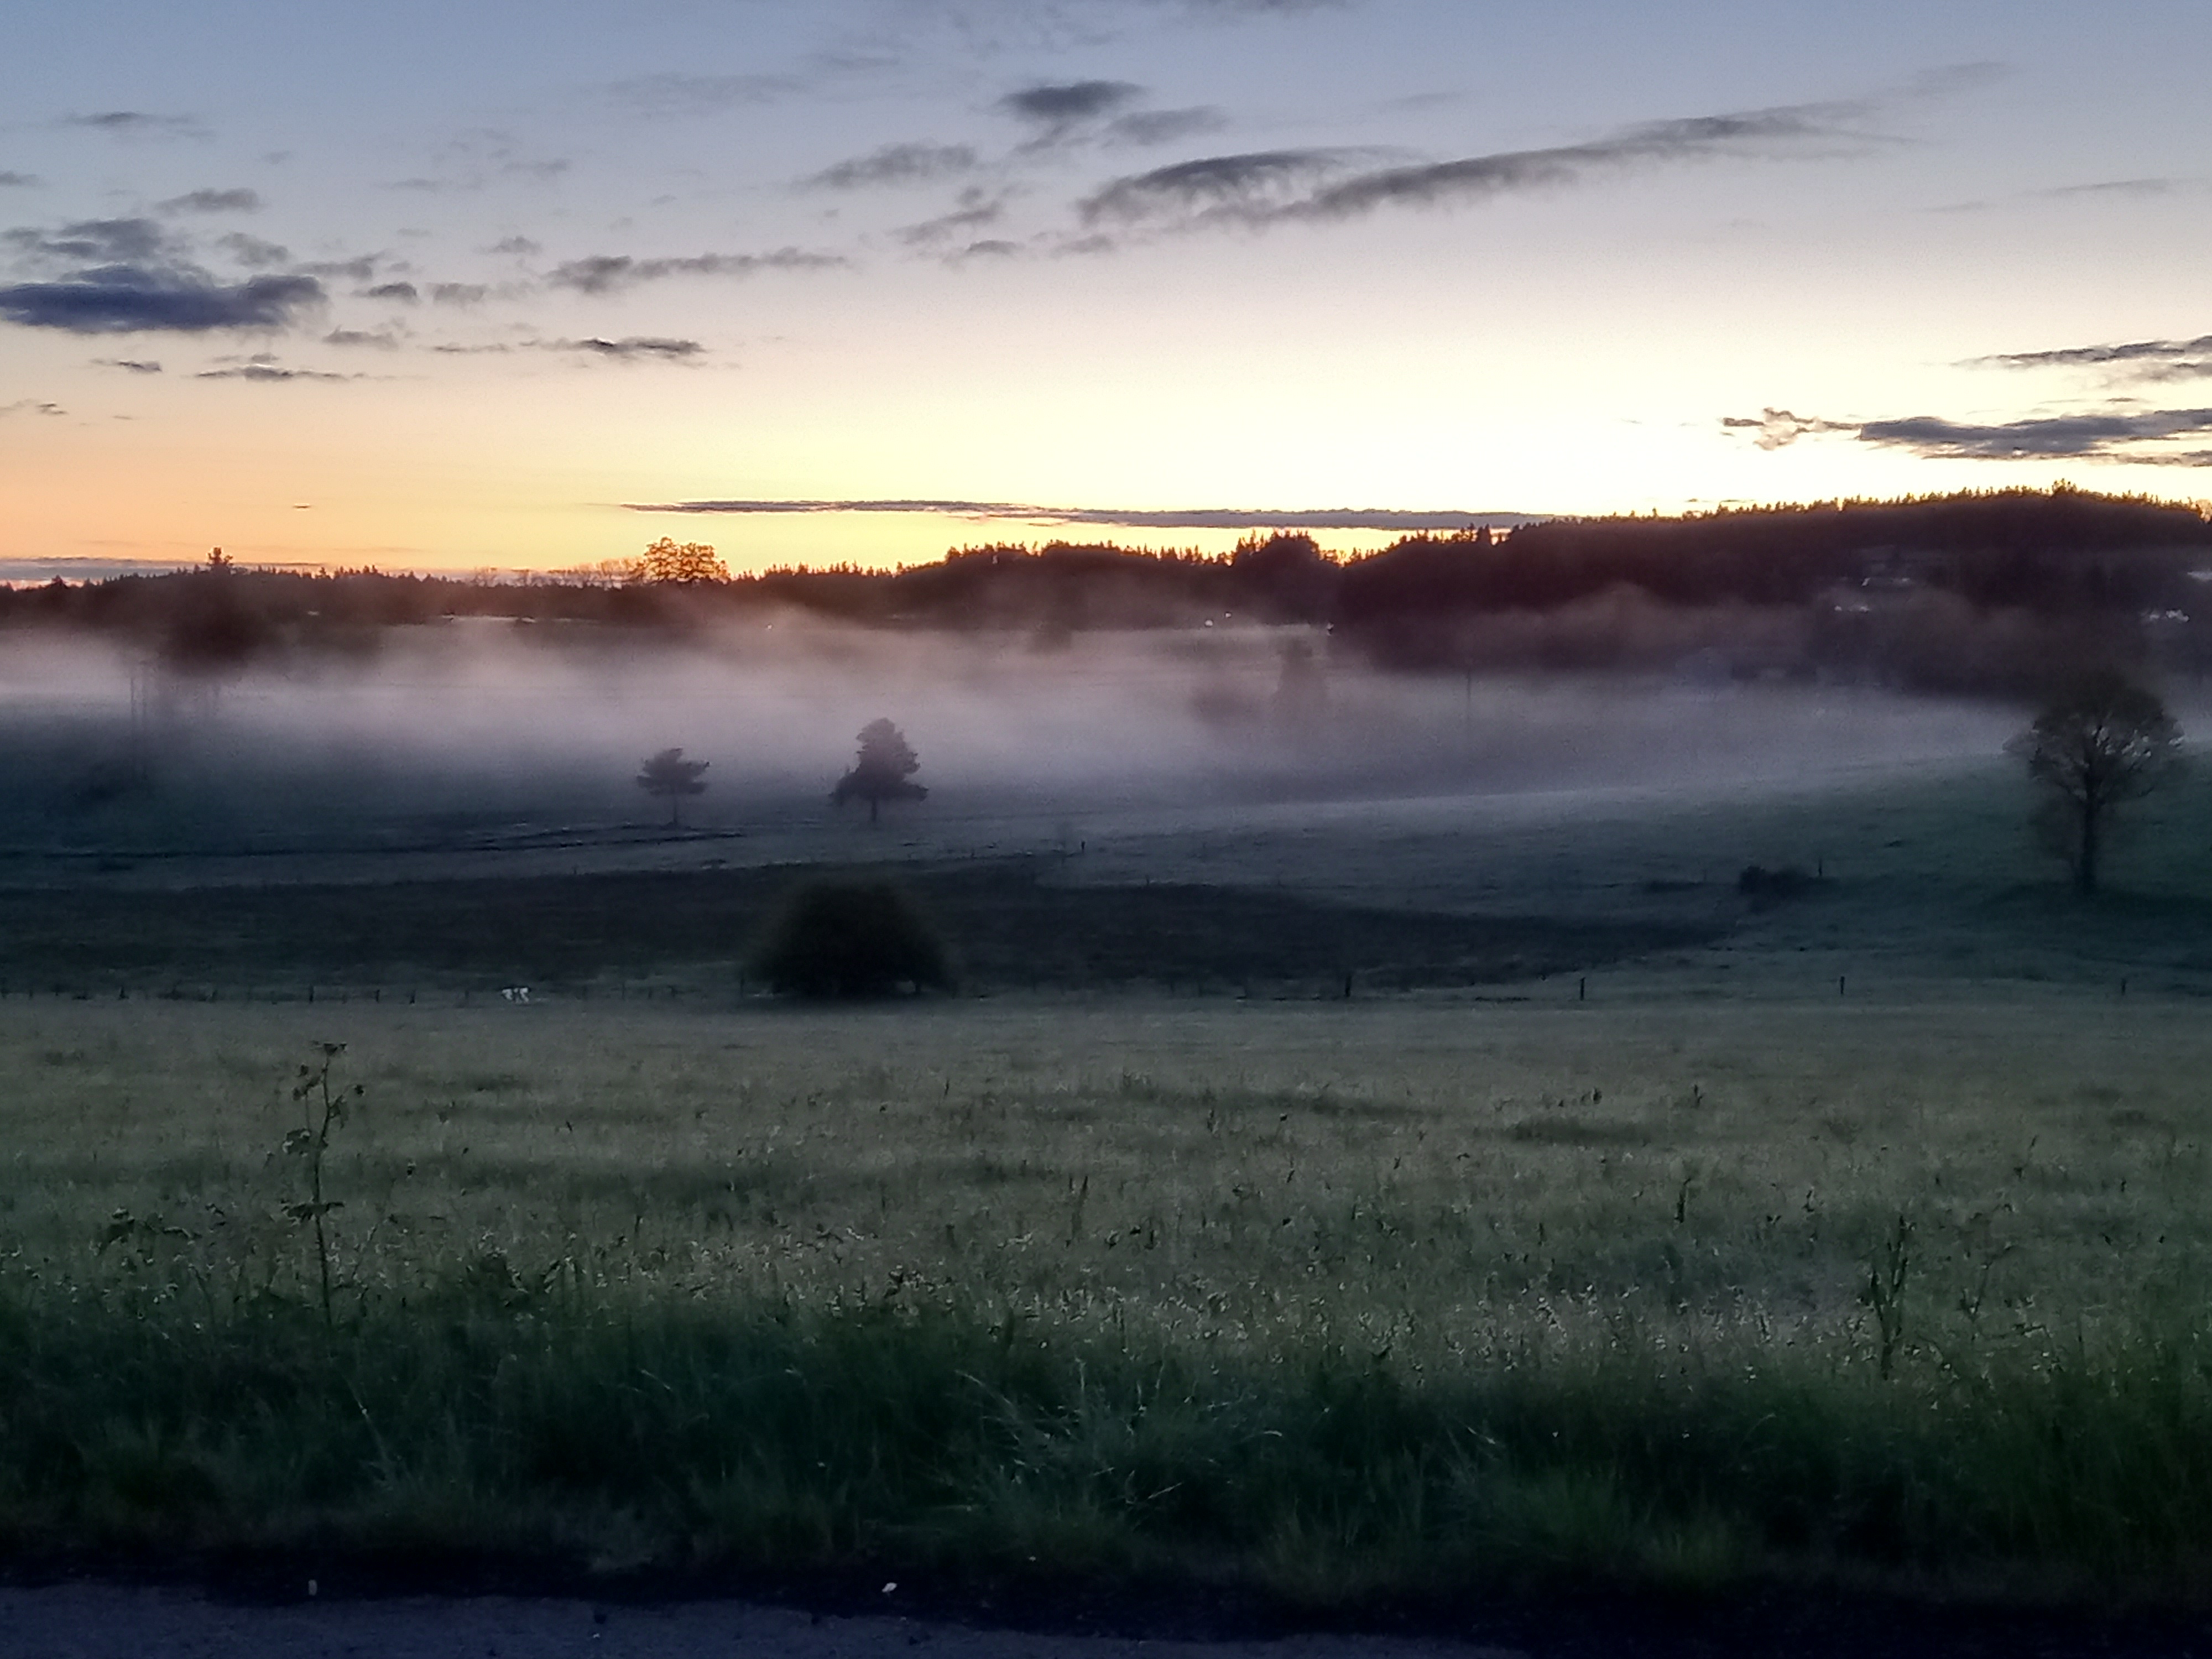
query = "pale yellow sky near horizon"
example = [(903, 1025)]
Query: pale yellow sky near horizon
[(451, 292)]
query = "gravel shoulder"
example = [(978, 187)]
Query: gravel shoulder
[(98, 1621)]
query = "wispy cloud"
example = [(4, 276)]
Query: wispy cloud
[(675, 94), (610, 273), (137, 123), (1058, 109), (1117, 517), (372, 339), (1163, 127), (129, 365), (404, 294), (630, 349), (255, 252), (1255, 185), (31, 406), (19, 180), (896, 164), (1273, 187), (2144, 360), (1779, 428), (93, 241), (636, 348), (213, 201), (266, 370), (976, 210)]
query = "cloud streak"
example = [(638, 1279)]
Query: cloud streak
[(267, 371), (2074, 436), (213, 201), (635, 348), (611, 273), (1277, 186), (2145, 359), (1117, 517), (895, 165), (2132, 436), (137, 123)]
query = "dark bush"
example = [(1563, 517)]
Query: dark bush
[(851, 938), (1765, 886)]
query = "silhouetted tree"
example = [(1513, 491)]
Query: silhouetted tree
[(2103, 742), (669, 774), (881, 771)]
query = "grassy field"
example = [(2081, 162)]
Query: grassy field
[(1621, 1230), (1337, 1301)]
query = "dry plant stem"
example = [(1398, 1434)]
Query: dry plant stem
[(325, 1109), (1887, 1266)]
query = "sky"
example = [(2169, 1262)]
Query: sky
[(490, 285)]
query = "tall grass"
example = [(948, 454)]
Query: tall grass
[(573, 1420), (1693, 1300)]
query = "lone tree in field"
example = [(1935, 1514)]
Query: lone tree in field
[(2103, 742), (669, 774), (882, 771)]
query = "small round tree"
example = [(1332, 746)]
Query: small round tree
[(851, 938), (668, 774)]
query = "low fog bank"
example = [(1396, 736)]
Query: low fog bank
[(475, 726)]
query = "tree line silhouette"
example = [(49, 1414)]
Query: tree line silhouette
[(1881, 588)]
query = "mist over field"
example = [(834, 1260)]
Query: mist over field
[(471, 725)]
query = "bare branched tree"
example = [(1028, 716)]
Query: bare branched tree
[(2102, 743)]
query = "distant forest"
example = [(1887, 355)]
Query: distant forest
[(1989, 592)]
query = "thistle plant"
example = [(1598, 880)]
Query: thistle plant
[(322, 1107)]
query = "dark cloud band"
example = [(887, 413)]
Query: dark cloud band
[(2129, 436), (2062, 435), (1119, 518), (131, 299)]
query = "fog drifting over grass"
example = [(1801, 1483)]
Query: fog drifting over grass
[(547, 724)]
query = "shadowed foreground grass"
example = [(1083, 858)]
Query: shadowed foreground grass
[(556, 1419)]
